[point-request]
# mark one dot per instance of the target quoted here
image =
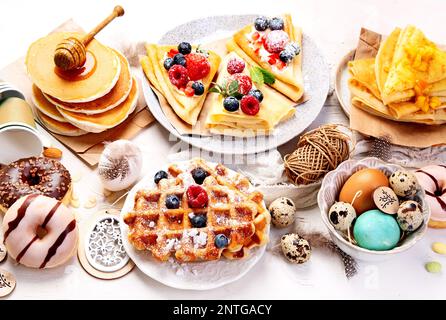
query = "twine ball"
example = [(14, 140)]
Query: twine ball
[(318, 152)]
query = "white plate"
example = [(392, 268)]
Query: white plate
[(316, 81), (341, 82), (188, 276)]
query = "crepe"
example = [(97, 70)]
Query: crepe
[(289, 80), (399, 83), (416, 64), (274, 108), (187, 108)]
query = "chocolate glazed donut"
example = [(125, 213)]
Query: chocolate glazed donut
[(35, 175)]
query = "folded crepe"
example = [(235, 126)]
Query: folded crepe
[(366, 96), (409, 65), (274, 108), (187, 108), (399, 83), (289, 80)]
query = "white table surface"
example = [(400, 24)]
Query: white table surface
[(334, 25)]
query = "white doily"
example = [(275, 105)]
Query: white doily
[(104, 248)]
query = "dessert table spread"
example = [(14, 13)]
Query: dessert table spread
[(334, 26)]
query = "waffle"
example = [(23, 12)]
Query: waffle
[(234, 209)]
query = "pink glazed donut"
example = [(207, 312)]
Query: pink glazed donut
[(433, 180), (40, 232)]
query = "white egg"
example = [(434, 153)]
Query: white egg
[(120, 165)]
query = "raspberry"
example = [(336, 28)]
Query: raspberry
[(244, 82), (197, 66), (276, 41), (197, 196), (250, 105), (235, 66), (178, 76), (189, 91), (172, 53)]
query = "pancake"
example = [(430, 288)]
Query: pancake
[(112, 99), (62, 128), (106, 120), (45, 106), (40, 66)]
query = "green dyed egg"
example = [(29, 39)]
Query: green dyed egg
[(375, 230)]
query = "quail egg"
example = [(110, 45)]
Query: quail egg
[(410, 216), (404, 183), (283, 212), (341, 215), (295, 248)]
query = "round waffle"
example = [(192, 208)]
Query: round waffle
[(234, 209), (41, 69)]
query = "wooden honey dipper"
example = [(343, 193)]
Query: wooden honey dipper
[(71, 53)]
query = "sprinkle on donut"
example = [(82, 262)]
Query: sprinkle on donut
[(35, 175)]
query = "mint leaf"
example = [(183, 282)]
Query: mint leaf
[(215, 90), (268, 77), (233, 88), (256, 75)]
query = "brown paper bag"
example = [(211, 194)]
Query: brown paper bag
[(88, 147), (400, 133)]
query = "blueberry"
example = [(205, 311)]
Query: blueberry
[(276, 24), (198, 88), (168, 63), (172, 202), (198, 221), (179, 59), (256, 94), (184, 48), (231, 104), (286, 56), (160, 175), (221, 241), (199, 175), (261, 23)]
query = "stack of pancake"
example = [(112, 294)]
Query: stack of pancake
[(406, 81), (94, 98)]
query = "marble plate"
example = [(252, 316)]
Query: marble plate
[(188, 276), (316, 81)]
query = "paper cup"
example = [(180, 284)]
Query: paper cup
[(19, 137)]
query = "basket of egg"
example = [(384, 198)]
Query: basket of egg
[(373, 210)]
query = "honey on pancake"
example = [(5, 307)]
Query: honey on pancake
[(81, 73)]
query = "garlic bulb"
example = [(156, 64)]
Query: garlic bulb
[(120, 165)]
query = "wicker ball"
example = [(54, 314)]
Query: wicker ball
[(318, 152)]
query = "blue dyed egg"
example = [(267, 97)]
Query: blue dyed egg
[(375, 230)]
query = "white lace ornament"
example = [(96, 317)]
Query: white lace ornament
[(104, 249)]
